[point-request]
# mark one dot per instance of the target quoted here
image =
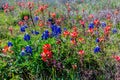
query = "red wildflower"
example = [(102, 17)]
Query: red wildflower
[(108, 16), (74, 28), (30, 5), (41, 8), (82, 22), (21, 23), (46, 54), (46, 47), (117, 58), (90, 16), (90, 30), (107, 29), (73, 41), (81, 40), (66, 33), (81, 52), (53, 15), (25, 18), (96, 22), (74, 34)]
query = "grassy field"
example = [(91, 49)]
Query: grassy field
[(72, 41)]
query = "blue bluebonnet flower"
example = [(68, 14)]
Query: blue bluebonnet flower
[(114, 30), (103, 24), (96, 49), (10, 44), (35, 32), (28, 49), (26, 37), (22, 29), (50, 20), (22, 53), (45, 35), (97, 40), (26, 26), (36, 18), (91, 25), (56, 30)]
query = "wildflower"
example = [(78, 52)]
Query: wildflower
[(107, 29), (96, 49), (41, 8), (26, 37), (117, 58), (28, 49), (90, 30), (108, 16), (41, 23), (56, 30), (74, 34), (22, 29), (103, 24), (45, 35), (91, 25), (81, 40), (114, 30), (82, 22), (30, 5), (22, 53), (46, 47), (66, 33), (73, 41), (101, 39), (96, 22), (20, 23), (5, 49), (35, 32), (53, 15), (74, 28), (26, 18), (46, 54), (81, 52), (90, 16), (10, 44), (36, 18), (97, 40)]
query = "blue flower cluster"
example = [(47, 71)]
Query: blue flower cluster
[(27, 51), (91, 25), (34, 32), (36, 18), (10, 44), (114, 30), (96, 49), (22, 28), (45, 35), (103, 24), (26, 37), (56, 30)]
